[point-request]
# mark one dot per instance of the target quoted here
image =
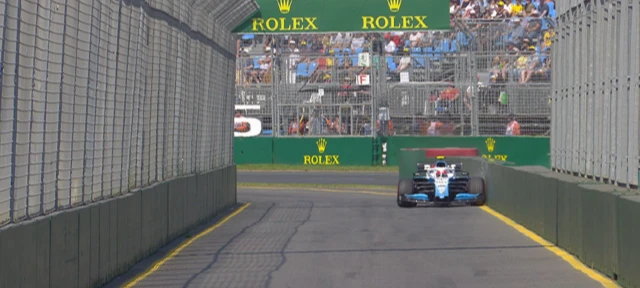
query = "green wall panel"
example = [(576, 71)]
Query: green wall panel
[(628, 241), (407, 160), (323, 151), (599, 227), (254, 150), (517, 150)]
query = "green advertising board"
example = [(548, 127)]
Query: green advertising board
[(517, 150), (253, 150), (323, 151), (363, 151), (322, 16)]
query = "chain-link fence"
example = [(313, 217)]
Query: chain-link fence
[(472, 80), (101, 97), (596, 89)]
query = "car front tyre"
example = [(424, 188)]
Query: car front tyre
[(405, 186)]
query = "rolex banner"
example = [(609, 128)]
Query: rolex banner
[(307, 16)]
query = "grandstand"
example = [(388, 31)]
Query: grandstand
[(500, 53)]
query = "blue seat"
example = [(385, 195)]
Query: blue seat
[(248, 37), (302, 70), (256, 63), (419, 57), (391, 64), (462, 39), (359, 50), (444, 46), (312, 67), (437, 55), (421, 60), (454, 46), (552, 10), (354, 60)]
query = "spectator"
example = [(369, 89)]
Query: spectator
[(501, 12), (391, 46), (525, 24), (513, 128), (405, 61), (265, 65), (547, 36), (532, 61), (250, 72), (529, 8), (240, 126), (516, 8), (294, 127), (416, 39), (357, 42), (533, 25)]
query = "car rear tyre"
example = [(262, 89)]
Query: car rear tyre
[(405, 186), (477, 186)]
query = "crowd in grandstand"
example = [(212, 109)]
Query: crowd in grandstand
[(518, 32), (510, 39)]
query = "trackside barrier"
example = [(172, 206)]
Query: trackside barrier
[(115, 131), (593, 221), (368, 151), (90, 245)]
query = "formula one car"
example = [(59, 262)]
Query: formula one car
[(441, 182)]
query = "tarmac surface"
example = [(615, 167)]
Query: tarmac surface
[(361, 178), (340, 238)]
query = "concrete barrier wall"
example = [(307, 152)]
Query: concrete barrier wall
[(90, 245), (593, 221)]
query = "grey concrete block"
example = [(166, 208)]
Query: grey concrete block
[(154, 218), (211, 190), (84, 247), (217, 187), (223, 188), (108, 239), (64, 252), (191, 201), (202, 183), (43, 252), (95, 245), (129, 231), (176, 205), (234, 184), (24, 263)]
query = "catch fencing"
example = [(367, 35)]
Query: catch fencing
[(595, 91), (449, 80), (99, 97)]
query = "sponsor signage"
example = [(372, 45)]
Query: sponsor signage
[(321, 158), (255, 125), (304, 16), (491, 146)]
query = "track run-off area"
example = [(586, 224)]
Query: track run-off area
[(341, 229)]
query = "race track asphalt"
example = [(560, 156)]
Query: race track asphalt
[(340, 238), (363, 178)]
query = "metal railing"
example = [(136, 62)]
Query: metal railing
[(468, 76), (595, 91), (99, 98)]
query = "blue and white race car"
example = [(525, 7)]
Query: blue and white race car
[(441, 182)]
